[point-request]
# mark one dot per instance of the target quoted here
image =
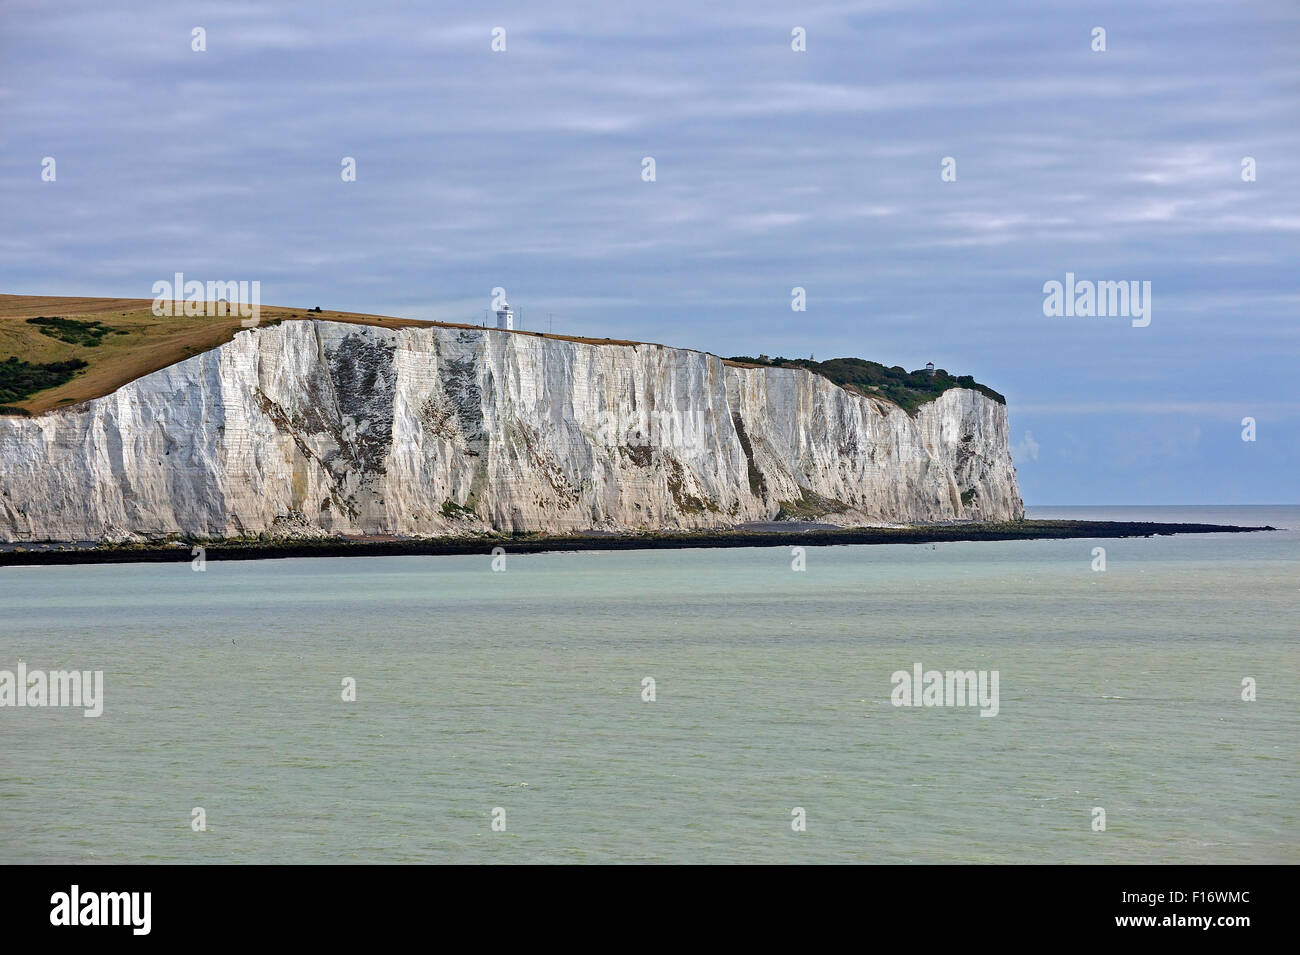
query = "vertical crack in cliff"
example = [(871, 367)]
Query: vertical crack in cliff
[(460, 414), (757, 486)]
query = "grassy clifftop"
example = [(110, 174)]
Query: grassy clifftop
[(907, 389), (56, 352)]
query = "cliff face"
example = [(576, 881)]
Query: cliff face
[(329, 428)]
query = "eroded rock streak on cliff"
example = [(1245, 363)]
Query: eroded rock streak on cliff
[(314, 427)]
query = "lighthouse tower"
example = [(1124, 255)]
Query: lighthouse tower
[(505, 317)]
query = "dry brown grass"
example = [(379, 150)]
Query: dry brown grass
[(152, 342)]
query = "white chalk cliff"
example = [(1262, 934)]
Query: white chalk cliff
[(324, 428)]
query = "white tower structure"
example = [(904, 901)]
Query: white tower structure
[(505, 316)]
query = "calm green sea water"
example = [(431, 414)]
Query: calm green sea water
[(522, 690)]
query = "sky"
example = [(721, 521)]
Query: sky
[(774, 169)]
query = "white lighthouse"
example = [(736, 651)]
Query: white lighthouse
[(505, 316)]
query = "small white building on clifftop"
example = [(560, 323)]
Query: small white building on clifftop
[(505, 317)]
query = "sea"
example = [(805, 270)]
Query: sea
[(693, 706)]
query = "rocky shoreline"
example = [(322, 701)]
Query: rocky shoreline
[(56, 553)]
